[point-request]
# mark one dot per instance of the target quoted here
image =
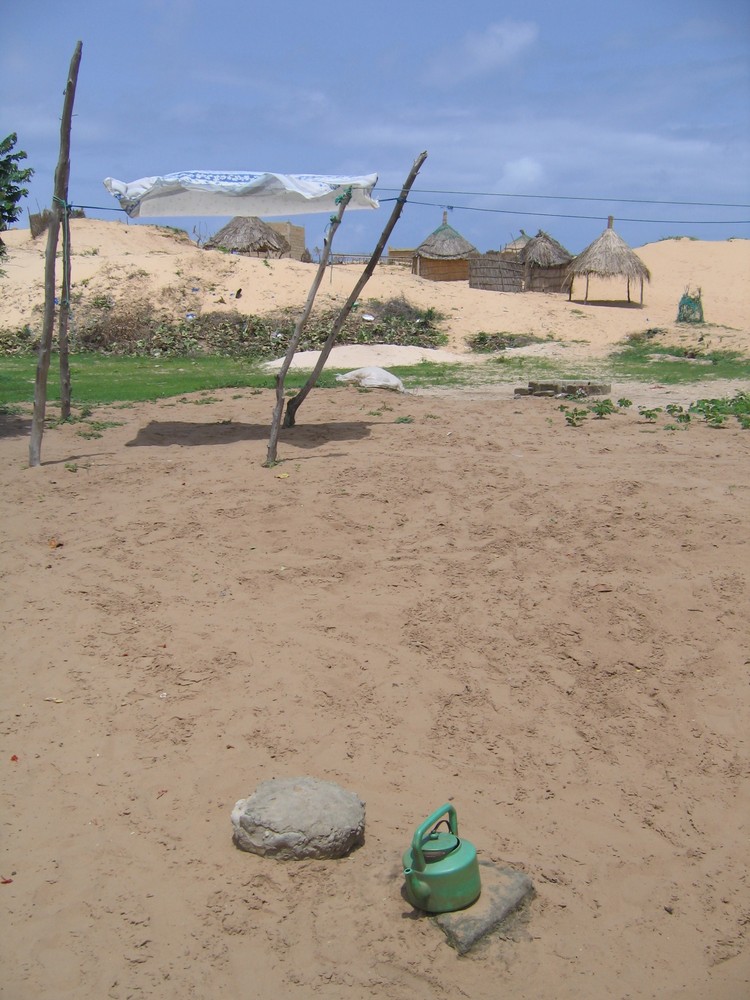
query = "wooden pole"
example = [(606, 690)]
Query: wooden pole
[(62, 334), (300, 326), (62, 174), (296, 401)]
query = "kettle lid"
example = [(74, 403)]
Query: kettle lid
[(437, 846)]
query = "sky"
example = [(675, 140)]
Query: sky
[(546, 116)]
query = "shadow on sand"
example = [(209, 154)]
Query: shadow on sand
[(12, 425), (188, 434), (609, 303)]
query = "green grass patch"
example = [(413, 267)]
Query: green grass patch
[(673, 365), (98, 378), (123, 380)]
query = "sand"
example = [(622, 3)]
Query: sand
[(546, 625), (129, 263)]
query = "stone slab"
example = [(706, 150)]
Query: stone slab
[(299, 818), (565, 387), (504, 891)]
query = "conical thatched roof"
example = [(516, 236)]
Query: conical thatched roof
[(517, 244), (544, 251), (247, 234), (609, 256), (446, 244)]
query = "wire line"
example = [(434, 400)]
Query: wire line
[(569, 197), (553, 215)]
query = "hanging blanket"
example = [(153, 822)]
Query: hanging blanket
[(207, 192)]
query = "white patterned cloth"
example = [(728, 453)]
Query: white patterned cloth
[(226, 192)]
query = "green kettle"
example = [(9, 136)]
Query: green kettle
[(441, 871)]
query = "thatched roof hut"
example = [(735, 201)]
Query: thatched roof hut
[(544, 251), (608, 257), (250, 236), (545, 262), (444, 255), (513, 249)]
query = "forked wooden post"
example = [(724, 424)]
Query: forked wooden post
[(296, 401), (294, 342), (59, 206)]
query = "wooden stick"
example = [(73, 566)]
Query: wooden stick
[(296, 401), (293, 343), (62, 333), (62, 174)]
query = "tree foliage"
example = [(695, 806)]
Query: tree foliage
[(12, 181)]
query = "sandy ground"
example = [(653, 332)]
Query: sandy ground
[(435, 596), (546, 625)]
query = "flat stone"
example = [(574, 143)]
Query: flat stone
[(566, 387), (504, 891), (295, 818)]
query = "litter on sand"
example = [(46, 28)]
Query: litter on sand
[(372, 378)]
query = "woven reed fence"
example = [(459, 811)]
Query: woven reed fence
[(496, 273), (441, 270), (400, 255), (546, 279)]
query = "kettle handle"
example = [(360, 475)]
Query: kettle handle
[(422, 831)]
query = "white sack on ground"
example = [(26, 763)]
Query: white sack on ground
[(227, 192), (373, 378)]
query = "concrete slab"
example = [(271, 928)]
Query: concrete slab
[(566, 387), (504, 891)]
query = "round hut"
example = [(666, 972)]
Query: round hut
[(249, 236), (545, 264), (608, 257), (512, 250), (444, 255)]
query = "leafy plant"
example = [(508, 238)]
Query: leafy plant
[(649, 414), (12, 181), (574, 417), (602, 408), (716, 412), (678, 412)]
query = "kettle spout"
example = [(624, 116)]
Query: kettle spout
[(417, 890)]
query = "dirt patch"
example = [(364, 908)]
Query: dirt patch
[(432, 598)]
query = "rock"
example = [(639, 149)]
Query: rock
[(294, 818), (504, 891)]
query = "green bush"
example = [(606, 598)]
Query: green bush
[(489, 342), (136, 328)]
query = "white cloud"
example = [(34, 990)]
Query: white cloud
[(523, 174), (482, 53)]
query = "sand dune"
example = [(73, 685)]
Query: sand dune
[(132, 262)]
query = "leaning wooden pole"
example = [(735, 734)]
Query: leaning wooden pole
[(296, 401), (273, 440), (59, 205)]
